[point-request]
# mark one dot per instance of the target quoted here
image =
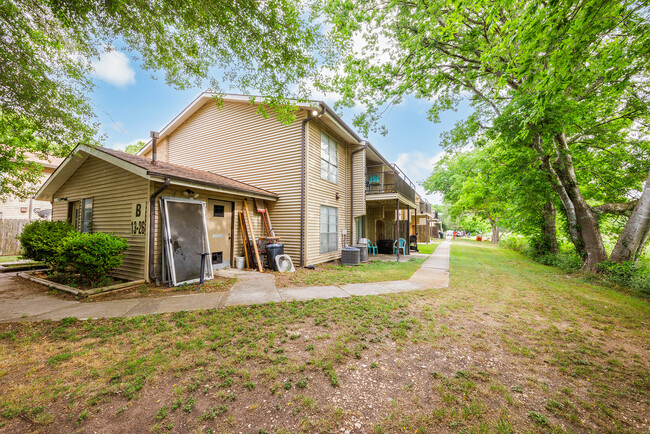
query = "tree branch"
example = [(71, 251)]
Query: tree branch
[(615, 208)]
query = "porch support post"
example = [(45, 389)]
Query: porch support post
[(397, 225), (408, 230)]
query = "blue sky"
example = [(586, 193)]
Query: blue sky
[(129, 103)]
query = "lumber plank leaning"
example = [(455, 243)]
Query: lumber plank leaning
[(244, 237), (250, 225)]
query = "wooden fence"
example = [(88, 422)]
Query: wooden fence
[(9, 230)]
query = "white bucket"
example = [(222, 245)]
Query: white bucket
[(239, 262)]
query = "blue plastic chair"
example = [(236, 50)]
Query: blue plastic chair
[(372, 248), (374, 179), (402, 246)]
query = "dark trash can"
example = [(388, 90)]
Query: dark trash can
[(273, 250)]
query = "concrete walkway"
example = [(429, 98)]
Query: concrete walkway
[(250, 288)]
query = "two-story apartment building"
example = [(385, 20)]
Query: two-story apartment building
[(323, 185)]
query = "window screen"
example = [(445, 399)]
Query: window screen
[(329, 217), (328, 158)]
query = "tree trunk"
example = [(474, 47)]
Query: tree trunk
[(635, 233), (549, 231), (583, 221), (587, 218), (495, 229), (569, 209)]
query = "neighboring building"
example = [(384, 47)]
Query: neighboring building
[(325, 187), (29, 209)]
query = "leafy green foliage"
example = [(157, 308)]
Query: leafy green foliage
[(92, 255), (41, 239), (628, 274), (562, 85), (49, 47), (134, 148)]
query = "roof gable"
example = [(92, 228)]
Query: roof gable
[(148, 169)]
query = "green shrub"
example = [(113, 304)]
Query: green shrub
[(518, 243), (621, 274), (92, 255), (41, 239), (630, 274), (640, 282)]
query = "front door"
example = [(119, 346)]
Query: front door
[(220, 232), (74, 214)]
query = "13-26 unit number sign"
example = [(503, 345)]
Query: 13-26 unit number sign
[(139, 219)]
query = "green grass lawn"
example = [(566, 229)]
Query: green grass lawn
[(326, 274), (427, 248), (9, 259), (510, 346)]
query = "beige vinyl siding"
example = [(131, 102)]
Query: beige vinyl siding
[(323, 192), (237, 142), (113, 190), (176, 191)]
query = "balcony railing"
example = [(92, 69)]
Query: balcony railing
[(425, 208), (380, 180)]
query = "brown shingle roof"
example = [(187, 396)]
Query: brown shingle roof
[(196, 176)]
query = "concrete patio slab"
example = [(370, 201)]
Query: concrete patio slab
[(177, 303), (312, 292), (257, 288), (103, 309), (31, 306), (374, 288)]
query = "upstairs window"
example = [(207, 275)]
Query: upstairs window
[(328, 158)]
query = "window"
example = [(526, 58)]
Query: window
[(218, 211), (86, 215), (328, 159), (329, 228)]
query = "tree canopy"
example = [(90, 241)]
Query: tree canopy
[(47, 46), (567, 81)]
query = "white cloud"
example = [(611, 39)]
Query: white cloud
[(418, 167), (113, 67)]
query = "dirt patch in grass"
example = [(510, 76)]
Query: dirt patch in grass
[(508, 347), (333, 273)]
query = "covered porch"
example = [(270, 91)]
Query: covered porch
[(389, 220)]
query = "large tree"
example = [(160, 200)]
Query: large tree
[(502, 186), (47, 47), (567, 80)]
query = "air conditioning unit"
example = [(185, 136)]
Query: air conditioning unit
[(350, 256)]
